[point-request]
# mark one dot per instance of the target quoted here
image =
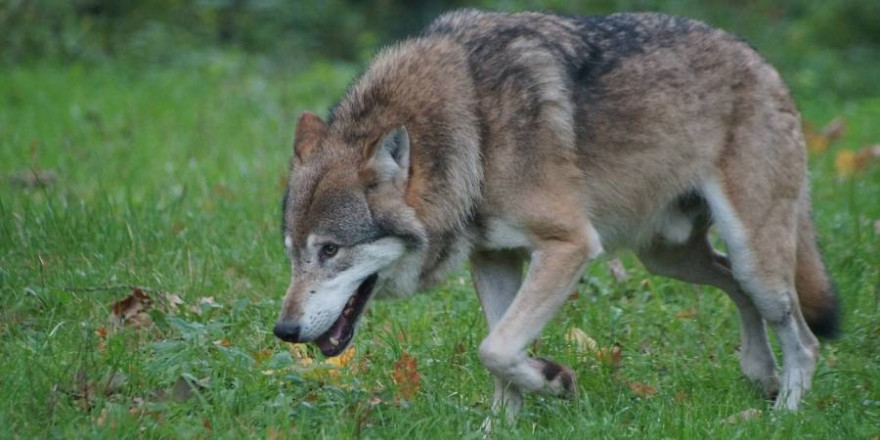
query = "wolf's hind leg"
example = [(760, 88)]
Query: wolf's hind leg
[(497, 277), (555, 267), (696, 262), (760, 229)]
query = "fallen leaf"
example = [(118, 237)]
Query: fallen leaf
[(845, 163), (132, 311), (102, 418), (642, 390), (204, 303), (748, 414), (33, 179), (835, 129), (610, 355), (343, 359), (102, 339), (406, 377), (223, 343), (170, 302), (300, 352), (817, 143), (685, 314), (848, 163), (618, 271), (207, 424), (273, 434), (375, 400), (583, 342), (262, 355), (83, 393)]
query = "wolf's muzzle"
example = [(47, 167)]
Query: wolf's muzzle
[(286, 331)]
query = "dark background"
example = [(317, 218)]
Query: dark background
[(821, 47)]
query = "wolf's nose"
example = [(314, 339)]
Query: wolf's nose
[(286, 331)]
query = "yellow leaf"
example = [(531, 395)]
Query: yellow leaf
[(299, 351), (816, 142), (581, 340), (343, 359), (848, 163), (845, 163)]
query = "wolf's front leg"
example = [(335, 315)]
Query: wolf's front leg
[(555, 268), (497, 278)]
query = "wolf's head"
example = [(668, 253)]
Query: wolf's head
[(346, 227)]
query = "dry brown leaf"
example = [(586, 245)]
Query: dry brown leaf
[(102, 418), (205, 302), (618, 271), (207, 424), (131, 311), (33, 179), (83, 393), (262, 355), (835, 129), (223, 343), (686, 314), (641, 389), (583, 342), (273, 434), (170, 302), (406, 377), (610, 355), (748, 414), (848, 163)]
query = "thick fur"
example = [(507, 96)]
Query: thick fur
[(515, 137)]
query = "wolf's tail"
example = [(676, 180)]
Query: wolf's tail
[(816, 293)]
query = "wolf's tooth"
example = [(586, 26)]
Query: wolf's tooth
[(334, 341)]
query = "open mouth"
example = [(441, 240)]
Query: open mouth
[(340, 334)]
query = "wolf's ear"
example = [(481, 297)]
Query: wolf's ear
[(390, 158), (309, 131)]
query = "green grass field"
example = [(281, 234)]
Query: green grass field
[(171, 178)]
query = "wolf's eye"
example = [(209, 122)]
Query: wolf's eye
[(329, 250)]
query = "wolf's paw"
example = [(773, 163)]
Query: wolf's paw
[(561, 380)]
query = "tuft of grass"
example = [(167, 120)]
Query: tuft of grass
[(171, 179)]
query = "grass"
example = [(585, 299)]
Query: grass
[(170, 178)]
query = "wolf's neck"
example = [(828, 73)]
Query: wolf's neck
[(425, 85)]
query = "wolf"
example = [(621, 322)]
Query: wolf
[(529, 144)]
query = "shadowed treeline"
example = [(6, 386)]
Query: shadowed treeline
[(808, 39)]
